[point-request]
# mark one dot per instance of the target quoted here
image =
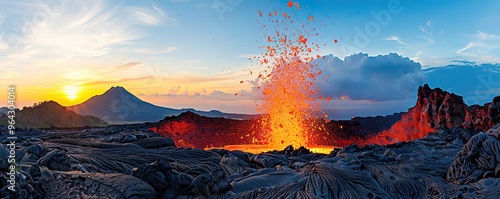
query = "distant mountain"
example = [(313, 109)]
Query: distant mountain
[(117, 105), (51, 114)]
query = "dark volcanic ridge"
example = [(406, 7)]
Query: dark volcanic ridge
[(50, 114)]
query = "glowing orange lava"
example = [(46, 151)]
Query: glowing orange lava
[(288, 83)]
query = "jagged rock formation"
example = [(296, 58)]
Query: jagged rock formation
[(481, 118), (437, 109)]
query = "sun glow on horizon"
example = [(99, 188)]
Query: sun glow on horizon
[(71, 92)]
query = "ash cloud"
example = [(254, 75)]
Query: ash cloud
[(372, 78)]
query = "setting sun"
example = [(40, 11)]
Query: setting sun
[(71, 92)]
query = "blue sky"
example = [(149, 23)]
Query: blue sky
[(194, 53)]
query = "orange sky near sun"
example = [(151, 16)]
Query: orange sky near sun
[(153, 88)]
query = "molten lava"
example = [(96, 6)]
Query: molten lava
[(288, 86)]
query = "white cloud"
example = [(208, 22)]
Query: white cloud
[(155, 52), (394, 38), (129, 65), (374, 78), (416, 57), (428, 32), (150, 17), (485, 36), (429, 24), (470, 45), (65, 32), (483, 47)]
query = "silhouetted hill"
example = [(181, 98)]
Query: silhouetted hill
[(51, 114), (373, 125), (117, 105)]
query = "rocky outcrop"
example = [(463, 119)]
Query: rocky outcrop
[(481, 118), (437, 109), (444, 110)]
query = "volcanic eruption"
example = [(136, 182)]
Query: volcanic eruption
[(288, 81)]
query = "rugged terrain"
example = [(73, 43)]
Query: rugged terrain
[(130, 161)]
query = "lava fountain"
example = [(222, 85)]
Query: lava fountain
[(288, 82)]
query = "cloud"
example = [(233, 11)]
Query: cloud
[(429, 24), (150, 17), (483, 47), (416, 57), (394, 38), (477, 83), (215, 95), (129, 65), (482, 43), (155, 52), (174, 90), (427, 30), (470, 45), (119, 81), (464, 62), (485, 36), (71, 30), (373, 78)]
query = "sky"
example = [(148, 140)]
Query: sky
[(195, 53)]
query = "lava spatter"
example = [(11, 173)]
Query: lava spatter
[(288, 81)]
